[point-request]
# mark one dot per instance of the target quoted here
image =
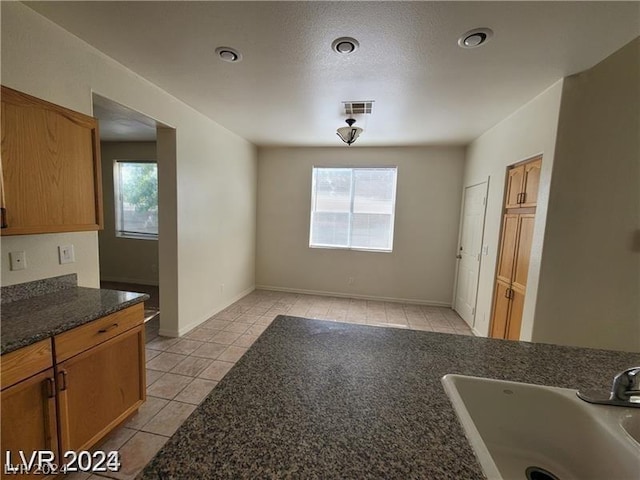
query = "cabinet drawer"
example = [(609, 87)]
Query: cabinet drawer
[(25, 362), (94, 333)]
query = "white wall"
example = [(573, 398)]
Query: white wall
[(589, 292), (421, 266), (42, 257), (529, 131), (131, 260), (208, 215)]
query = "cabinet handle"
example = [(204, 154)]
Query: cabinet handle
[(508, 293), (3, 218), (51, 391), (524, 197), (63, 380), (106, 329)]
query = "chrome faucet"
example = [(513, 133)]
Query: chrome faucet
[(625, 391)]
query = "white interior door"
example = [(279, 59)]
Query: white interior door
[(469, 251)]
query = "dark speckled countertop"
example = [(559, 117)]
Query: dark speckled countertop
[(28, 320), (313, 399)]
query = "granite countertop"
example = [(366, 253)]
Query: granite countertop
[(325, 400), (29, 319)]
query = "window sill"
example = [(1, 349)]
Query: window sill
[(131, 236), (356, 249)]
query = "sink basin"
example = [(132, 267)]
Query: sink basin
[(523, 431)]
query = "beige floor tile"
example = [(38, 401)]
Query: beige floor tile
[(184, 346), (167, 420), (248, 318), (227, 338), (149, 354), (215, 324), (258, 310), (136, 453), (265, 320), (169, 385), (232, 354), (153, 375), (191, 366), (165, 361), (216, 371), (237, 327), (116, 439), (210, 350), (256, 329), (146, 412), (245, 341), (196, 391), (162, 343), (202, 334)]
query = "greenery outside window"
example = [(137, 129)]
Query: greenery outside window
[(353, 208), (136, 197)]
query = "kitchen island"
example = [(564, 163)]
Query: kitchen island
[(327, 400)]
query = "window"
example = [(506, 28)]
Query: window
[(353, 208), (136, 196)]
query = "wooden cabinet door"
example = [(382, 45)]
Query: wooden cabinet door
[(530, 183), (501, 306), (523, 251), (100, 388), (29, 418), (514, 186), (51, 167), (515, 314), (508, 246)]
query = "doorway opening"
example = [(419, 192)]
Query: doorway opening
[(129, 242)]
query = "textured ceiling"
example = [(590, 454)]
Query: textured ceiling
[(289, 86)]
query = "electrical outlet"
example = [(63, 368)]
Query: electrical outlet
[(350, 281), (18, 260), (221, 287), (66, 254)]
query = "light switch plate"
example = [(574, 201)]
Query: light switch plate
[(18, 260), (66, 254)]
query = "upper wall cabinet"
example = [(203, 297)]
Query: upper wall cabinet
[(50, 168), (522, 185)]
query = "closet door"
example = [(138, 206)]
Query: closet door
[(501, 306), (530, 183), (508, 246), (514, 187)]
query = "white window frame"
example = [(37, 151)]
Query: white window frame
[(349, 247), (118, 204)]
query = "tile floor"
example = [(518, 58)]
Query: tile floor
[(182, 371)]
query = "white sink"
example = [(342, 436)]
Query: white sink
[(514, 426)]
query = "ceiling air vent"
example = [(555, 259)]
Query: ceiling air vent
[(358, 108)]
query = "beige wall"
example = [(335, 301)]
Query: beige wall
[(529, 131), (131, 260), (589, 291), (421, 266), (209, 196), (42, 257)]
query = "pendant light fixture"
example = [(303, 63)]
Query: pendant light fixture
[(349, 134)]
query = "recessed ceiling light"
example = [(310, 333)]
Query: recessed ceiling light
[(229, 54), (476, 37), (345, 45)]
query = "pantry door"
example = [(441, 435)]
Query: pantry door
[(469, 252)]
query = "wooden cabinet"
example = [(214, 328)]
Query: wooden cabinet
[(521, 196), (522, 184), (511, 281), (73, 399), (98, 389), (50, 179), (27, 402)]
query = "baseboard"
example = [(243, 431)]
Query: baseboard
[(137, 281), (187, 328), (430, 303), (477, 333)]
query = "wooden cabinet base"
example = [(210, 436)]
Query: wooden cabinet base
[(100, 388)]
